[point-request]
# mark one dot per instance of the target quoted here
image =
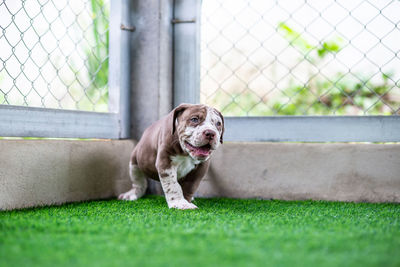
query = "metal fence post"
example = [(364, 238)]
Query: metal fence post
[(186, 51), (120, 64), (151, 57)]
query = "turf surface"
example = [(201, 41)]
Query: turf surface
[(221, 232)]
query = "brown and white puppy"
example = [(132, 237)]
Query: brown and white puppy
[(176, 151)]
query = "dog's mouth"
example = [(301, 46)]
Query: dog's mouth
[(201, 151)]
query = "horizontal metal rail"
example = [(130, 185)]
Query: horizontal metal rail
[(313, 129), (57, 123)]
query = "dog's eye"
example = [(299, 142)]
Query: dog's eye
[(218, 124), (194, 119)]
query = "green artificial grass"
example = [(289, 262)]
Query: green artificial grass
[(222, 232)]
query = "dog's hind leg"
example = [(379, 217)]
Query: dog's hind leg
[(139, 184)]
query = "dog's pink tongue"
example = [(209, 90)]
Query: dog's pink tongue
[(202, 151)]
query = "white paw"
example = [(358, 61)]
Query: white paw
[(132, 194), (181, 204)]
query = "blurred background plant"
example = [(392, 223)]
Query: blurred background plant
[(55, 54), (259, 60), (320, 95), (97, 56)]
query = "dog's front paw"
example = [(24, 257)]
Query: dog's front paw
[(132, 194), (181, 204)]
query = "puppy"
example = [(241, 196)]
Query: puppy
[(176, 151)]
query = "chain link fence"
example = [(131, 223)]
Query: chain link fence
[(331, 57), (54, 54)]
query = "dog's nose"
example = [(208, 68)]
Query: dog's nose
[(209, 134)]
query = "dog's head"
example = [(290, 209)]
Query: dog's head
[(200, 129)]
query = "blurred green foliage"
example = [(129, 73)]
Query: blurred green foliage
[(97, 56), (340, 94), (93, 78)]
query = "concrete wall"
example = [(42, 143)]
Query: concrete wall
[(295, 171), (45, 172)]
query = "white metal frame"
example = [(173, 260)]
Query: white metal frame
[(42, 122)]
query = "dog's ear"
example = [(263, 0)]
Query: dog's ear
[(175, 114), (221, 139)]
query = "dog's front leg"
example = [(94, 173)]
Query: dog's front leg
[(172, 190)]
